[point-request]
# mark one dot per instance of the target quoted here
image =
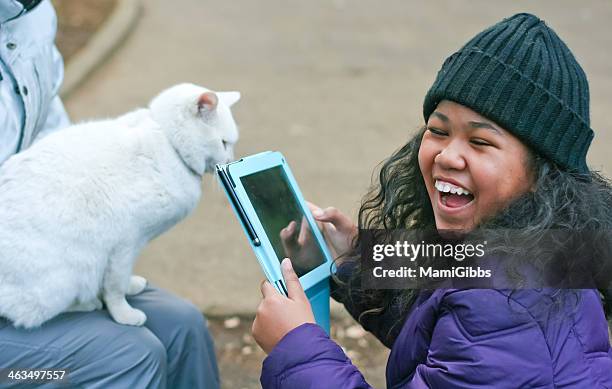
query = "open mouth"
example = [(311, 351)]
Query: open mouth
[(452, 196)]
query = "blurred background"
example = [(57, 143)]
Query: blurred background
[(335, 85)]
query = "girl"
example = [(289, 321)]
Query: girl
[(507, 121)]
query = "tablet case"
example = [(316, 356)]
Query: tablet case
[(316, 282)]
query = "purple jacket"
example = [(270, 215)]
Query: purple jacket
[(472, 338)]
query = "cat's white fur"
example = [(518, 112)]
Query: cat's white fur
[(78, 207)]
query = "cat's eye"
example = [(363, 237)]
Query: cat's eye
[(225, 144)]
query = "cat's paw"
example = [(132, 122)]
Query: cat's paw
[(137, 285), (129, 316)]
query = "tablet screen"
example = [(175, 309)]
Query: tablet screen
[(277, 208)]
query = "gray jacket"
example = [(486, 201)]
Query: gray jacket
[(31, 72)]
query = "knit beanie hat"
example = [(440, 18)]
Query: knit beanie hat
[(521, 75)]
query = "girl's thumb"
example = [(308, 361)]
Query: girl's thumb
[(330, 214), (318, 213)]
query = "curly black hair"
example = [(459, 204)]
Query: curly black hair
[(560, 200)]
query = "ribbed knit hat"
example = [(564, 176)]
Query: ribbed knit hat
[(521, 75)]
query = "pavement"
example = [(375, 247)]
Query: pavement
[(336, 86)]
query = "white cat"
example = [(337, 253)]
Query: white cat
[(78, 207)]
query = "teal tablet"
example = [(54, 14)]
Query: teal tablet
[(266, 199)]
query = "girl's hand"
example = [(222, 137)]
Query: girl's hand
[(277, 314), (338, 229), (299, 245), (298, 241)]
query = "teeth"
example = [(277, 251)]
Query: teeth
[(446, 187)]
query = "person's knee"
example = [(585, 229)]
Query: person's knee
[(191, 332), (117, 356), (149, 348), (190, 319), (183, 329), (146, 358), (192, 356)]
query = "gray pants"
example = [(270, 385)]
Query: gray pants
[(173, 349)]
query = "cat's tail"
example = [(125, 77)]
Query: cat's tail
[(28, 308)]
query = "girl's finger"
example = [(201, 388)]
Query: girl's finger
[(313, 207), (289, 238), (294, 288), (267, 289), (289, 230), (334, 216), (303, 235)]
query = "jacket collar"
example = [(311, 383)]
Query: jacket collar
[(10, 9)]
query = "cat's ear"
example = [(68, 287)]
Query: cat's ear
[(229, 98), (208, 101)]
